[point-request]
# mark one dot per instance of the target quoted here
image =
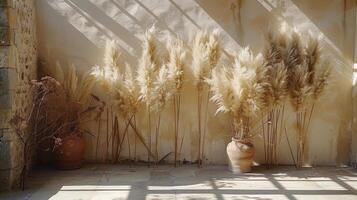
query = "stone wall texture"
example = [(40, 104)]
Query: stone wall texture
[(75, 32), (18, 65)]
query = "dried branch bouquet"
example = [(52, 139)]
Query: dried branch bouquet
[(59, 108)]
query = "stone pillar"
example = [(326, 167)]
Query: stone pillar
[(18, 65)]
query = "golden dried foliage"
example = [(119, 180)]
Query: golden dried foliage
[(176, 63), (239, 90), (77, 89), (118, 81), (149, 65), (162, 90), (321, 80), (205, 54), (311, 56)]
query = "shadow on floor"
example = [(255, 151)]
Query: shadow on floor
[(188, 182)]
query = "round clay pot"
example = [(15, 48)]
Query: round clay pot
[(69, 154), (240, 154)]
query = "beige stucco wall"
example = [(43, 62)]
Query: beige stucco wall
[(75, 31), (354, 102)]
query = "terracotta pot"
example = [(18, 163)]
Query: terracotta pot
[(69, 154), (240, 154)]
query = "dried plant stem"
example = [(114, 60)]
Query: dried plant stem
[(115, 138), (118, 144), (276, 132), (98, 136), (24, 167), (149, 133), (271, 134), (205, 126), (178, 120), (135, 142), (157, 133), (269, 130), (302, 133), (177, 103), (282, 121), (175, 132), (310, 115), (25, 139), (141, 138), (291, 150), (298, 139), (129, 150), (182, 139), (264, 140), (308, 122), (107, 137), (117, 129), (126, 130), (111, 137), (265, 128), (199, 104), (303, 119)]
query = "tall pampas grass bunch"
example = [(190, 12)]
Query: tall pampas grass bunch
[(162, 93), (239, 90), (275, 95), (120, 83), (152, 78), (149, 65), (206, 52), (299, 89), (308, 77), (176, 65)]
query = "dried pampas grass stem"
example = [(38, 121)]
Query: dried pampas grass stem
[(206, 52), (176, 65)]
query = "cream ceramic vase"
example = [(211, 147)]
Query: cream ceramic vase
[(240, 154)]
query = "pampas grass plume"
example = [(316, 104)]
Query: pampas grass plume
[(321, 80), (240, 90), (148, 68), (205, 53), (176, 63)]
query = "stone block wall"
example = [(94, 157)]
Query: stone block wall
[(18, 65)]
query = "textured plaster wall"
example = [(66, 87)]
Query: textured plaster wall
[(354, 99), (17, 67), (75, 31)]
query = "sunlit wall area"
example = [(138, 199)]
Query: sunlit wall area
[(75, 32), (354, 92)]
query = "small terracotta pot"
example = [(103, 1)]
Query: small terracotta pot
[(69, 154), (240, 154)]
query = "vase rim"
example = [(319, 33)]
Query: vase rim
[(240, 140)]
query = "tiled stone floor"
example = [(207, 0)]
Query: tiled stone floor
[(101, 182)]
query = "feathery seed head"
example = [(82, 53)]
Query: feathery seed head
[(205, 54)]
